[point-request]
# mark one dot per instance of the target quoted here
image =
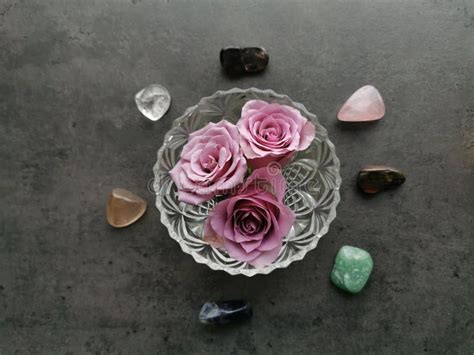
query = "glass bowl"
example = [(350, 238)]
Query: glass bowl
[(312, 177)]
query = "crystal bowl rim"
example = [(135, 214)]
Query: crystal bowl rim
[(269, 268)]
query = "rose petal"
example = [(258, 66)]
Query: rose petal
[(237, 252), (265, 258), (286, 219), (191, 198), (273, 176), (218, 216), (273, 238), (250, 245), (211, 237), (307, 135), (253, 105), (229, 232), (237, 177)]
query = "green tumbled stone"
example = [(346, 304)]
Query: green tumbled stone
[(352, 269)]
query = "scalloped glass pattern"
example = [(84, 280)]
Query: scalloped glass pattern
[(312, 177)]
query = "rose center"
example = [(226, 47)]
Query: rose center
[(250, 225), (271, 134), (209, 163)]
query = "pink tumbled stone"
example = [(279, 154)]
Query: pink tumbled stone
[(366, 104)]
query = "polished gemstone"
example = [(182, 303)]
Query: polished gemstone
[(124, 208), (224, 312), (153, 101), (372, 179), (352, 269), (231, 60), (236, 60), (254, 59), (366, 104)]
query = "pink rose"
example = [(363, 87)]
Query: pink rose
[(211, 163), (272, 132), (251, 225)]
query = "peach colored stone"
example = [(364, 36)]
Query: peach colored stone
[(366, 104), (124, 208)]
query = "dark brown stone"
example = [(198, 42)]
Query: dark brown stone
[(236, 60), (372, 179)]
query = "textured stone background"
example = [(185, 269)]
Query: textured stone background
[(70, 132)]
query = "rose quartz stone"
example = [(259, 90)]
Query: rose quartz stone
[(366, 104)]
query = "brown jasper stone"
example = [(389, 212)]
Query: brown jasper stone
[(372, 179), (124, 208)]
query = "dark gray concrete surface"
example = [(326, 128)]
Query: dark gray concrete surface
[(70, 132)]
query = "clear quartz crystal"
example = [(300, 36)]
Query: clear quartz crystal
[(153, 101)]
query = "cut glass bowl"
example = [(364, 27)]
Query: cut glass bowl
[(312, 177)]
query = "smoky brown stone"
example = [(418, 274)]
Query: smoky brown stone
[(236, 60), (124, 208), (372, 179)]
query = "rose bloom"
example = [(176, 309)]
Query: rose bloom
[(272, 132), (251, 225), (211, 163)]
